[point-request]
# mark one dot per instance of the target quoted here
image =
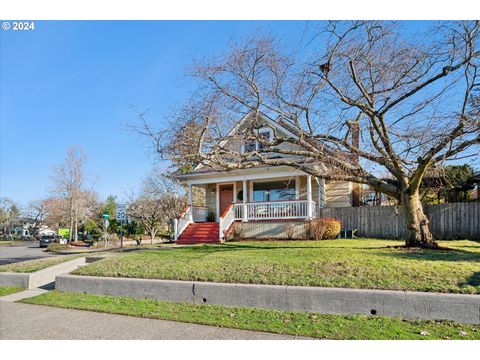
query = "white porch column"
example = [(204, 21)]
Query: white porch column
[(244, 198), (309, 196), (190, 201), (190, 196)]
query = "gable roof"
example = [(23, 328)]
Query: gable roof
[(272, 123), (200, 168), (279, 124)]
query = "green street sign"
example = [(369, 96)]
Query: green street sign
[(106, 216)]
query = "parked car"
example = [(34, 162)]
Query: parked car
[(46, 240)]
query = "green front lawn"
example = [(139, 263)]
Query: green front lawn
[(282, 322), (35, 265), (360, 263), (7, 290)]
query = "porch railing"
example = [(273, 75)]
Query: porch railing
[(200, 213), (289, 209), (181, 223), (225, 221)]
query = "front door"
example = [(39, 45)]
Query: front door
[(226, 197)]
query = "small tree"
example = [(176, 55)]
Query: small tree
[(149, 212), (158, 204), (451, 183), (9, 211), (135, 231), (37, 211), (68, 179)]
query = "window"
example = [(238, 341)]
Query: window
[(264, 133), (274, 191), (250, 146)]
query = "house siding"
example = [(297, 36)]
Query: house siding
[(270, 230), (211, 198), (303, 188), (338, 194)]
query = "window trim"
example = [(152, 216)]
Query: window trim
[(295, 180), (259, 131)]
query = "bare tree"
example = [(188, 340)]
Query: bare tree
[(9, 211), (159, 202), (37, 212), (68, 179), (57, 212), (410, 97)]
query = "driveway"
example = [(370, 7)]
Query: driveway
[(26, 251), (32, 322)]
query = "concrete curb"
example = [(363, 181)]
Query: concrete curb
[(40, 277), (405, 304)]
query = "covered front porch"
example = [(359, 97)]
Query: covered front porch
[(271, 198), (251, 195)]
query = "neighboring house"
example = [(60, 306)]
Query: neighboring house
[(274, 194), (20, 232), (375, 198), (25, 228), (44, 230)]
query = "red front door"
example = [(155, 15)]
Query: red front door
[(226, 197)]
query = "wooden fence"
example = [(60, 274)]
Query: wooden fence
[(447, 221)]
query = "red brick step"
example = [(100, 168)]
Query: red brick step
[(199, 233)]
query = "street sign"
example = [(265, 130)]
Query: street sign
[(106, 215), (121, 212)]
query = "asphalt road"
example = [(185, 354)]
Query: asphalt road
[(24, 321), (24, 252)]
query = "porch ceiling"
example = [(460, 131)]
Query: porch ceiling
[(241, 174)]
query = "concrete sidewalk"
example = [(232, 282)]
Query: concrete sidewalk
[(22, 295), (35, 322)]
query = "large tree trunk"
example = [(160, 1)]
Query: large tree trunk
[(418, 232)]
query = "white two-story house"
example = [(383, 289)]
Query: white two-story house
[(262, 199)]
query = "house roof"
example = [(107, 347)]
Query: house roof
[(279, 124)]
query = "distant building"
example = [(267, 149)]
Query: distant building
[(371, 197)]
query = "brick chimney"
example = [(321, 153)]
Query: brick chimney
[(356, 188)]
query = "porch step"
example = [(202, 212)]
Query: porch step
[(199, 233)]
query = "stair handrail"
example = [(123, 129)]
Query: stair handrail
[(181, 223), (225, 221)]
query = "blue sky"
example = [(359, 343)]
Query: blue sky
[(74, 83)]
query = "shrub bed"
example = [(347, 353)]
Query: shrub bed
[(323, 229)]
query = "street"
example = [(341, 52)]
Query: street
[(24, 252)]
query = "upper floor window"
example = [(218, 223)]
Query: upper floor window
[(252, 145)]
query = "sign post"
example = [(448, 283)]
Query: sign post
[(121, 216), (105, 217)]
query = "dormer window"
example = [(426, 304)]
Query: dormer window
[(252, 145)]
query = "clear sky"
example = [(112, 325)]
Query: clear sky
[(74, 83)]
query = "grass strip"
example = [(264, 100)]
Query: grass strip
[(356, 327)]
